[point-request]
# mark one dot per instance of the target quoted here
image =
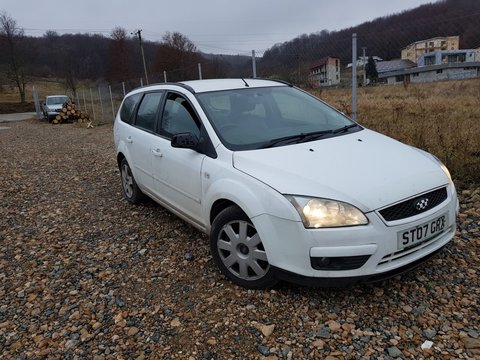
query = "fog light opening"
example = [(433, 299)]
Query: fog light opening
[(324, 261)]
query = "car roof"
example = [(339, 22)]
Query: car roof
[(228, 84), (199, 86)]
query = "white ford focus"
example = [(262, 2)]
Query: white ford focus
[(285, 186)]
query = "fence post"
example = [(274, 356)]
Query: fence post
[(254, 65), (164, 76), (199, 71), (84, 101), (101, 102), (93, 108), (37, 103), (123, 85), (354, 76), (111, 101), (363, 63)]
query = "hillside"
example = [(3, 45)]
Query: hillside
[(384, 37), (75, 58)]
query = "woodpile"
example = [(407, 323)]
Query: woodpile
[(70, 113)]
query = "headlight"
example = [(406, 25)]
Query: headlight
[(318, 213)]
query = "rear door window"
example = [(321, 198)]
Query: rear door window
[(147, 111)]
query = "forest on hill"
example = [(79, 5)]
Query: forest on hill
[(116, 58), (383, 37)]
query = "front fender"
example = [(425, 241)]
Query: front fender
[(252, 196), (270, 212)]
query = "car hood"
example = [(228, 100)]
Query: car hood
[(365, 169)]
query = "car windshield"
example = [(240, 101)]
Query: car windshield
[(254, 118), (56, 100)]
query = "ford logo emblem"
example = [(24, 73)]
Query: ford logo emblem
[(421, 204)]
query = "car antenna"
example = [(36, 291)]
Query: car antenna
[(245, 82)]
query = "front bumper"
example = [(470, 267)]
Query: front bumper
[(353, 280), (359, 253), (52, 112)]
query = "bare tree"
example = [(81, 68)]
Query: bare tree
[(179, 55), (120, 49), (12, 36), (179, 41)]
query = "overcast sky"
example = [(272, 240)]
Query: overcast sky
[(215, 26)]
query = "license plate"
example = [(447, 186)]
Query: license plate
[(420, 233)]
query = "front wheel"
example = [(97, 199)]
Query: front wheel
[(238, 250)]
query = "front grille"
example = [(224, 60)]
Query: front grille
[(414, 206)]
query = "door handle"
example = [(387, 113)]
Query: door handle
[(157, 152), (129, 140)]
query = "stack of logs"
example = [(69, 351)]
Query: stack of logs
[(70, 114)]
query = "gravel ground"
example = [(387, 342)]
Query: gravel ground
[(84, 274)]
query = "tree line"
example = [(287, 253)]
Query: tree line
[(116, 58), (383, 37), (74, 58)]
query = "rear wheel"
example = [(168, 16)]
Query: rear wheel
[(238, 250), (130, 188)]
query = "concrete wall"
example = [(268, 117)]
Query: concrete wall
[(445, 74), (437, 75)]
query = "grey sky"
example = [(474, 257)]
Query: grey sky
[(216, 26)]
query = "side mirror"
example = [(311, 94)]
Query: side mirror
[(185, 141)]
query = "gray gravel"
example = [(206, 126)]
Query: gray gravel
[(84, 274)]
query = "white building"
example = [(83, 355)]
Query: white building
[(325, 72)]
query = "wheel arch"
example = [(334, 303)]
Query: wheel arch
[(218, 206), (253, 198), (120, 157)]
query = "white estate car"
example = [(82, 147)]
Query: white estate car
[(53, 105), (285, 186)]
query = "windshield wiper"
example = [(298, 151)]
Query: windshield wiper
[(344, 128), (296, 139)]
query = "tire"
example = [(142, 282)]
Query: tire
[(238, 250), (132, 192)]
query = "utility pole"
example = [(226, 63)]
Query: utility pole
[(254, 65), (364, 73), (354, 76), (139, 34)]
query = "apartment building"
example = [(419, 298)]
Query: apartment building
[(413, 51), (325, 72)]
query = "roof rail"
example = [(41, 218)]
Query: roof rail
[(186, 87), (276, 80)]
